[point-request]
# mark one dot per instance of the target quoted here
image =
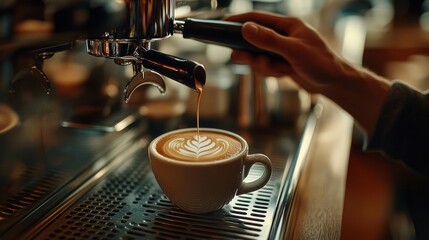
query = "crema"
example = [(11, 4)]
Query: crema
[(205, 146)]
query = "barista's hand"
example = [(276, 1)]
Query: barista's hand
[(311, 63), (308, 59)]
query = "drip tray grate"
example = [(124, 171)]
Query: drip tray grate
[(129, 204), (125, 202)]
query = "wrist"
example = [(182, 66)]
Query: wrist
[(362, 94)]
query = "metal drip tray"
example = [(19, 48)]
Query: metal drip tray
[(121, 199), (129, 204)]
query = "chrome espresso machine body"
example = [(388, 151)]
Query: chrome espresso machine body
[(69, 170), (124, 31)]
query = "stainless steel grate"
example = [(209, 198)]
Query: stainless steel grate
[(108, 191), (29, 195), (115, 195), (129, 204), (33, 185)]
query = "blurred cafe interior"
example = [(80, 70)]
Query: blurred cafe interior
[(85, 85)]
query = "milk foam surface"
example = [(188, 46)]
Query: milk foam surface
[(207, 146)]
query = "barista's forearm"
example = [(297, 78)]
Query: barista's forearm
[(362, 94)]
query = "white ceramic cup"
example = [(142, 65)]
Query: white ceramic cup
[(203, 187)]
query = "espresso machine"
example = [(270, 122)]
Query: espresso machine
[(124, 32), (61, 179)]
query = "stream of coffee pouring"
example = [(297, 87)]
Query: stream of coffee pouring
[(199, 87)]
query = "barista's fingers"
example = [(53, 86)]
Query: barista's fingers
[(280, 23), (262, 64), (242, 57), (266, 64), (268, 39)]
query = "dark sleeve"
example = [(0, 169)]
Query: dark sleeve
[(402, 130)]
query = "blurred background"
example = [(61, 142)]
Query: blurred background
[(49, 85), (386, 36)]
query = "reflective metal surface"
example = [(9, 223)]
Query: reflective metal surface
[(42, 164), (61, 179), (111, 48), (107, 190), (144, 21)]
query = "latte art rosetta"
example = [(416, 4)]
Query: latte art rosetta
[(209, 146), (197, 147)]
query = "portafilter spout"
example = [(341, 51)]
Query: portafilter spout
[(184, 71), (139, 54), (181, 70)]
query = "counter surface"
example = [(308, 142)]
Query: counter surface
[(347, 193)]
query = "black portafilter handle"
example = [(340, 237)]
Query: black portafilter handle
[(184, 71), (218, 32)]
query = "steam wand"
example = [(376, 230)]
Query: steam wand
[(36, 71)]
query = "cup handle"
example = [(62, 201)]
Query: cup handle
[(261, 181)]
